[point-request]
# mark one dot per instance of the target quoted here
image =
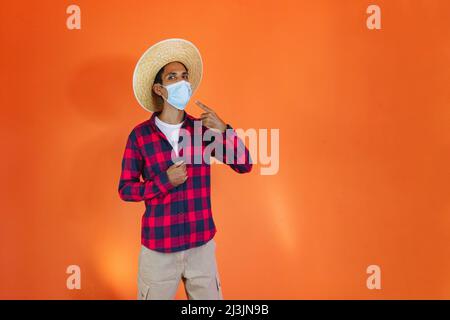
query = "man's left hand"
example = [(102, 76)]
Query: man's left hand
[(210, 119)]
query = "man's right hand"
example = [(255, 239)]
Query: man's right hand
[(177, 173)]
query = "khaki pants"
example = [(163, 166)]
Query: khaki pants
[(159, 273)]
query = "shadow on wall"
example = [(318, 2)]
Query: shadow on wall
[(103, 228)]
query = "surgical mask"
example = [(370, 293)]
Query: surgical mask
[(179, 94)]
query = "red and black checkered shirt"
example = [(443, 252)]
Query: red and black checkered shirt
[(175, 218)]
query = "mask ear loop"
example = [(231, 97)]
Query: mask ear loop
[(164, 98), (162, 94)]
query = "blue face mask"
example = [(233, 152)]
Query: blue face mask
[(179, 94)]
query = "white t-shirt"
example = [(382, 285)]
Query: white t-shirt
[(171, 131)]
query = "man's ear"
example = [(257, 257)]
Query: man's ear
[(157, 89)]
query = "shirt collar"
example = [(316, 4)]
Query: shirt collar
[(187, 120)]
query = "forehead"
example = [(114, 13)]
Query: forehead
[(174, 67)]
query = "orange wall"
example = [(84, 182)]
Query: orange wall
[(364, 145)]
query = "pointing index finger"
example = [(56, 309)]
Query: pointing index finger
[(204, 107)]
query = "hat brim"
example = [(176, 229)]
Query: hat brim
[(157, 56)]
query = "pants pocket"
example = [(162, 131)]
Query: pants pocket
[(143, 289), (219, 287)]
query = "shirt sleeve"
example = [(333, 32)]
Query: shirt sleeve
[(131, 188), (234, 153)]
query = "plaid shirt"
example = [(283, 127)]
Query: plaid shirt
[(175, 218)]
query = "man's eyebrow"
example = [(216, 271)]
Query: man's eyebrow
[(174, 73)]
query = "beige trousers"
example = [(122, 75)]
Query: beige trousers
[(159, 273)]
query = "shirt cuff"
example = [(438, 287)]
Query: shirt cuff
[(163, 182), (231, 136), (225, 132)]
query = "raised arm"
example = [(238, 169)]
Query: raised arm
[(234, 153)]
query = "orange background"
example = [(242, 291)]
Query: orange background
[(364, 145)]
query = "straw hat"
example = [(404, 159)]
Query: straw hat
[(157, 56)]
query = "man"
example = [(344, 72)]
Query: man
[(177, 226)]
